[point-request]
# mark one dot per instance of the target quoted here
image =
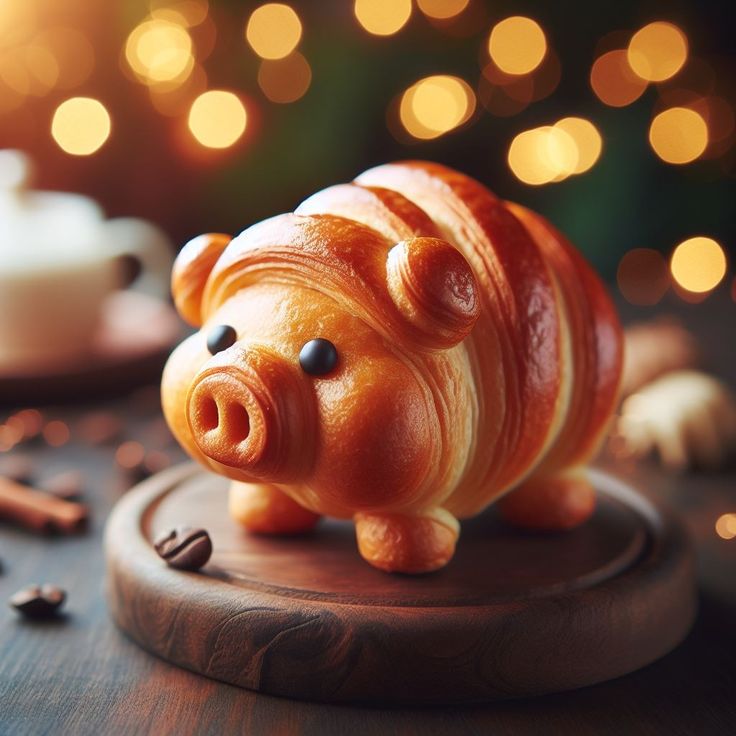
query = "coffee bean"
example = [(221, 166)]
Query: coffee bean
[(64, 485), (184, 548), (38, 601)]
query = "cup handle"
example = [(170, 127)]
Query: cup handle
[(130, 236)]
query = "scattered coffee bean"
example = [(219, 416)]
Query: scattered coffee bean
[(38, 601), (185, 548), (17, 467), (65, 485), (99, 428)]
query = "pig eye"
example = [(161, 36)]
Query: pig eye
[(318, 356), (220, 338)]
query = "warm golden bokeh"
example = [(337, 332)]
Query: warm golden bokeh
[(587, 140), (74, 55), (442, 9), (435, 105), (217, 119), (188, 12), (175, 100), (678, 135), (698, 264), (382, 17), (613, 81), (285, 80), (273, 30), (42, 68), (159, 50), (726, 526), (657, 52), (517, 45), (543, 155), (505, 94), (80, 125), (642, 277)]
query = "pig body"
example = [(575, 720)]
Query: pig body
[(402, 351)]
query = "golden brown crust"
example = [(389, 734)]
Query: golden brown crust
[(191, 271), (264, 509), (476, 351)]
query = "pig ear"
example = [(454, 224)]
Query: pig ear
[(191, 269), (435, 290)]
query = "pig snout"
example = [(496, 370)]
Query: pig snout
[(220, 418), (251, 413)]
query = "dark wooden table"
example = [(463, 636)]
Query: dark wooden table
[(80, 675)]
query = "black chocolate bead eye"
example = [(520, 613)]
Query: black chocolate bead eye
[(318, 356), (220, 338)]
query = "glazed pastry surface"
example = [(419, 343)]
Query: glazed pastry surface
[(477, 354)]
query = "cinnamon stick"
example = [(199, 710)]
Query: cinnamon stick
[(40, 511)]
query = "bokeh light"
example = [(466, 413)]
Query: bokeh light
[(657, 51), (613, 81), (80, 125), (546, 77), (442, 9), (56, 433), (678, 135), (285, 80), (42, 68), (217, 119), (159, 50), (726, 526), (642, 277), (273, 30), (382, 17), (698, 264), (189, 12), (504, 94), (587, 140), (543, 155), (174, 100), (435, 105), (74, 55), (517, 45)]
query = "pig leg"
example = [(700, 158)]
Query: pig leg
[(550, 502), (264, 509), (407, 543)]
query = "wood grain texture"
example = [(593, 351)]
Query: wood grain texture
[(83, 676), (513, 615)]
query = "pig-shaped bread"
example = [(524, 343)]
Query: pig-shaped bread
[(400, 351)]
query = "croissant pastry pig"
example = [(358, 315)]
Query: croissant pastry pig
[(401, 351)]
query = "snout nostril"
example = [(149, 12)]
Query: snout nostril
[(209, 414), (237, 422)]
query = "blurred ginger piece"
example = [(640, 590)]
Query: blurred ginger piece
[(654, 348), (687, 417)]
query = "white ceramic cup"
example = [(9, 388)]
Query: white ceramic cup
[(59, 260)]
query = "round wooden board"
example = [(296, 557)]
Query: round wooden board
[(512, 615), (135, 335)]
